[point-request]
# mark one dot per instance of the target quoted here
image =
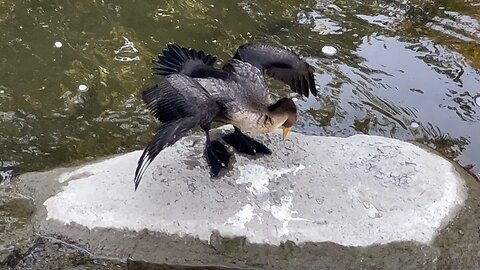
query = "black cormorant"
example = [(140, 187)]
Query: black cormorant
[(195, 93)]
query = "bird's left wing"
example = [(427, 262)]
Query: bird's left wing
[(167, 135), (280, 63), (180, 103)]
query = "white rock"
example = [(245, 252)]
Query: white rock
[(367, 190)]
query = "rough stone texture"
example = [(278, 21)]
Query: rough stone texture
[(355, 192), (282, 208)]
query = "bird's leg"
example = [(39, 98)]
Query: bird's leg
[(216, 154), (245, 144)]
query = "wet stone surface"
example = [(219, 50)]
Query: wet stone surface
[(365, 182), (15, 224), (194, 220)]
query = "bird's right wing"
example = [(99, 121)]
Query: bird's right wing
[(180, 103), (190, 62), (280, 63)]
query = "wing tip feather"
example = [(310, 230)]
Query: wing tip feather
[(282, 63)]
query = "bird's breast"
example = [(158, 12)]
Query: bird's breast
[(247, 122)]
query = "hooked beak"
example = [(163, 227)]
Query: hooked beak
[(285, 132)]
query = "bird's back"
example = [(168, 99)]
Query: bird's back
[(247, 84)]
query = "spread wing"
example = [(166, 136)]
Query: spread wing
[(180, 103), (190, 62), (282, 64)]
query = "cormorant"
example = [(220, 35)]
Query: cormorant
[(195, 93)]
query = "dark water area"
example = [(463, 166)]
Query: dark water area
[(71, 74)]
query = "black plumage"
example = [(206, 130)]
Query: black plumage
[(195, 93)]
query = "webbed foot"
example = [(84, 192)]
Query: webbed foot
[(245, 144), (217, 156)]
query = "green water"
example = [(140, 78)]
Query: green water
[(397, 64), (405, 69)]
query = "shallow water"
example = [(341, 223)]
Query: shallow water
[(72, 73)]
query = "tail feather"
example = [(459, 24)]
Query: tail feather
[(176, 59)]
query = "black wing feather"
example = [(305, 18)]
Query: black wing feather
[(180, 103), (180, 60), (167, 135), (165, 102), (282, 64)]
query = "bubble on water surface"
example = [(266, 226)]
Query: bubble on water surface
[(477, 100), (58, 44), (82, 88), (329, 50)]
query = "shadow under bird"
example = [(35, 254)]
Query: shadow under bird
[(195, 93)]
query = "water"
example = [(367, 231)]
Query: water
[(72, 73)]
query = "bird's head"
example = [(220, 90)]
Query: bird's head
[(287, 110)]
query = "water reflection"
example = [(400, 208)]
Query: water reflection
[(127, 52), (405, 87), (320, 23), (402, 70), (6, 171), (457, 25)]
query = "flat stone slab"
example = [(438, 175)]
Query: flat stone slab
[(354, 191)]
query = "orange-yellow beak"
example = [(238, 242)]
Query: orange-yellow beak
[(285, 132)]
